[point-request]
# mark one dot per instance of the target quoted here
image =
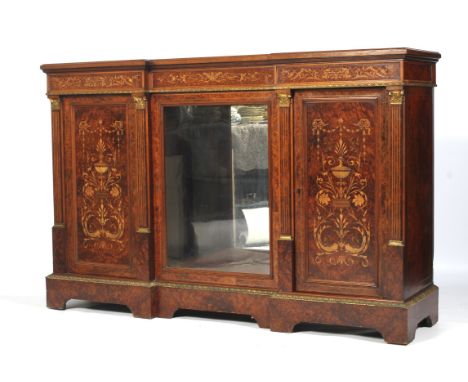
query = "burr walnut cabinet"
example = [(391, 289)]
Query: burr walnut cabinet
[(292, 188)]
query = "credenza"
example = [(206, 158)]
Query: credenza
[(291, 187)]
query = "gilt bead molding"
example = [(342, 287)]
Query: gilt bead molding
[(244, 88), (272, 294)]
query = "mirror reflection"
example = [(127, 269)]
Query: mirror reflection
[(216, 169)]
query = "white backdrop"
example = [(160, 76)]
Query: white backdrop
[(79, 343)]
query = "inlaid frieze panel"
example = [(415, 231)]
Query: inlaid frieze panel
[(213, 77), (101, 183), (95, 82), (338, 72)]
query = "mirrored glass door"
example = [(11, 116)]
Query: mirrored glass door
[(217, 187)]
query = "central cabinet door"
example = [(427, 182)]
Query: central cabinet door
[(214, 200), (339, 148)]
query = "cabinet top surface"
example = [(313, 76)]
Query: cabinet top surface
[(272, 58)]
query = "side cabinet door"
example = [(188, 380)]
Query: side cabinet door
[(106, 186), (338, 150)]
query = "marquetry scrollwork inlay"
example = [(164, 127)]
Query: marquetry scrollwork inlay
[(102, 215), (341, 223), (69, 82), (214, 77), (318, 73)]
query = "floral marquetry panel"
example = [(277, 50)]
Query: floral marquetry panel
[(340, 185), (102, 186)]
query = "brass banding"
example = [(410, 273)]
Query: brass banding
[(247, 291), (220, 88)]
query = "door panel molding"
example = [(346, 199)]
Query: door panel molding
[(162, 270), (337, 161)]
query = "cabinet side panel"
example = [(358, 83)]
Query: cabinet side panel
[(419, 179)]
